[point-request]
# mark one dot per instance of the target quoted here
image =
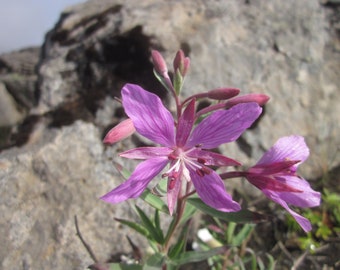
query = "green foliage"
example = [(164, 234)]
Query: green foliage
[(242, 216), (325, 220), (237, 256)]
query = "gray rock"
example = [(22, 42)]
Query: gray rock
[(288, 50), (43, 186), (10, 114), (17, 90)]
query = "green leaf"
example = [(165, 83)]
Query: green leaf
[(179, 247), (230, 232), (188, 212), (154, 232), (243, 216), (242, 235), (135, 226), (271, 263), (154, 262), (161, 189), (121, 266), (122, 171), (197, 256), (154, 201)]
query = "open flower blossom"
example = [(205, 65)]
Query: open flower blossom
[(275, 175), (184, 148)]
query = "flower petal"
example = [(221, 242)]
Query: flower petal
[(174, 186), (123, 130), (224, 126), (138, 181), (268, 183), (303, 222), (286, 148), (308, 198), (185, 124), (212, 159), (146, 152), (150, 118), (211, 190)]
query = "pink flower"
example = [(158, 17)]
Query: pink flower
[(183, 148), (275, 175)]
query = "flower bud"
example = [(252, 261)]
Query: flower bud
[(181, 63), (159, 62), (123, 130), (223, 93), (260, 99)]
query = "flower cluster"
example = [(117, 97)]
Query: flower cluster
[(184, 155)]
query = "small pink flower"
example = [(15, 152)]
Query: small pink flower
[(275, 175), (183, 147)]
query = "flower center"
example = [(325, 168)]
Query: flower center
[(180, 163)]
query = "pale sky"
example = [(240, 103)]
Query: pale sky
[(25, 22)]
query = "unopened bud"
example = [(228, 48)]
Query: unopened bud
[(123, 130), (159, 62), (223, 93), (181, 63), (260, 99)]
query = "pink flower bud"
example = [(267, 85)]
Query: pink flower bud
[(123, 130), (181, 63), (223, 93), (159, 62), (260, 99)]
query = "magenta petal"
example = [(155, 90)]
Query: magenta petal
[(138, 181), (303, 222), (150, 118), (211, 190), (308, 198), (224, 126), (146, 152), (212, 159), (286, 148), (272, 184), (273, 168), (172, 193), (185, 124)]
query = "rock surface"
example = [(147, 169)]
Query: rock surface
[(58, 166)]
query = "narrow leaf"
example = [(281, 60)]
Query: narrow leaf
[(189, 211), (242, 235), (181, 243), (153, 232), (154, 262), (197, 256), (154, 201), (121, 266), (243, 216), (158, 224), (135, 226), (122, 171)]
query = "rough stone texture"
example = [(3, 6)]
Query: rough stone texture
[(43, 186), (17, 89), (8, 109), (287, 49)]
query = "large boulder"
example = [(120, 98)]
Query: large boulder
[(58, 167)]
